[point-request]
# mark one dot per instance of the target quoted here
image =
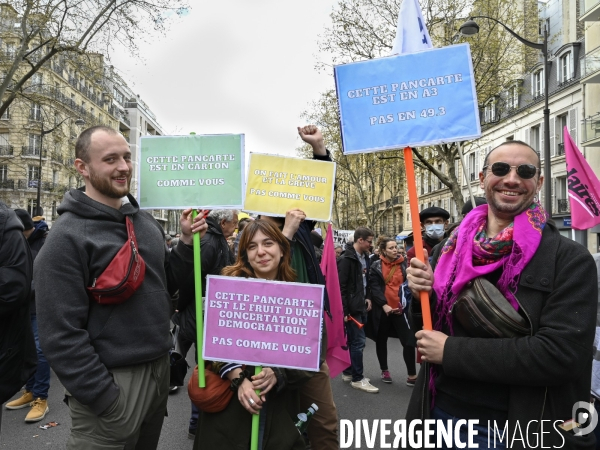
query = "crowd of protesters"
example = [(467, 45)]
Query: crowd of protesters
[(109, 337)]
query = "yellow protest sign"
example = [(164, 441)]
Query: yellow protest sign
[(276, 184)]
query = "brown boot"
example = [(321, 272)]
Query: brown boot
[(21, 402), (39, 409)]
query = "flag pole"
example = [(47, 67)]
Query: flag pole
[(199, 311), (414, 216), (462, 162)]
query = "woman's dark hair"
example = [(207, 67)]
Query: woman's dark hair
[(242, 267), (382, 242)]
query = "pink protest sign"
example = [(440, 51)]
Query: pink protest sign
[(259, 322)]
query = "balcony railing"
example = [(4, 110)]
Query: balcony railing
[(591, 129), (6, 150), (27, 150), (7, 184), (590, 9), (159, 214), (563, 205), (28, 184), (57, 158), (33, 184), (590, 63)]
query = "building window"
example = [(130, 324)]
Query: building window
[(118, 96), (3, 173), (537, 83), (562, 198), (54, 213), (35, 112), (10, 50), (35, 141), (561, 123), (472, 167), (33, 174), (32, 207), (36, 80), (513, 97), (5, 114), (564, 68), (490, 111), (534, 138)]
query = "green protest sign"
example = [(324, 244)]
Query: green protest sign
[(176, 172)]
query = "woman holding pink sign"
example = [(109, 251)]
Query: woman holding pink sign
[(263, 252)]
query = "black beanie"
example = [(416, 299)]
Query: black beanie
[(25, 218)]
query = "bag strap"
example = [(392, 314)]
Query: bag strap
[(131, 235), (391, 274)]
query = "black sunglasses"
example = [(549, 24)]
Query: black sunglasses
[(501, 169)]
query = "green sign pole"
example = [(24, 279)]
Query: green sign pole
[(255, 418), (199, 311)]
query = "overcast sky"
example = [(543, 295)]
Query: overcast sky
[(235, 66)]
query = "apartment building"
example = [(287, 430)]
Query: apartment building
[(39, 129), (589, 18)]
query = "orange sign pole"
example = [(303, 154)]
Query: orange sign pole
[(416, 224)]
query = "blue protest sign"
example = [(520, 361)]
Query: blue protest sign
[(412, 99)]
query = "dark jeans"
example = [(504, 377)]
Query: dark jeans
[(407, 339), (39, 383), (480, 439), (356, 345), (185, 348)]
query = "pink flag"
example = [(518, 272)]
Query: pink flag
[(583, 186), (338, 358)]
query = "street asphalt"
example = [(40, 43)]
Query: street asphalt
[(389, 403)]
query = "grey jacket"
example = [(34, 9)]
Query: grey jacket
[(82, 339)]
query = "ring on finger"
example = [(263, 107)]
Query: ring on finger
[(251, 401)]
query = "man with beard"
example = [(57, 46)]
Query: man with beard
[(112, 358), (540, 378)]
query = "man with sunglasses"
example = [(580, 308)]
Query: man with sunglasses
[(549, 279)]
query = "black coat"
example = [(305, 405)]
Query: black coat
[(377, 290), (350, 273), (547, 372), (215, 255), (36, 242), (18, 358)]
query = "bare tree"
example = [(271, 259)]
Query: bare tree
[(366, 184), (365, 29), (36, 31)]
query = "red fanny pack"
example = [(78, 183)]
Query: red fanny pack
[(123, 276)]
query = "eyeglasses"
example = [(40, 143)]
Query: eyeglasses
[(501, 169)]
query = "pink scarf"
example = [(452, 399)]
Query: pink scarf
[(455, 267)]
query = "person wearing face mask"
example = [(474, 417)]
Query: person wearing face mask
[(434, 221)]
